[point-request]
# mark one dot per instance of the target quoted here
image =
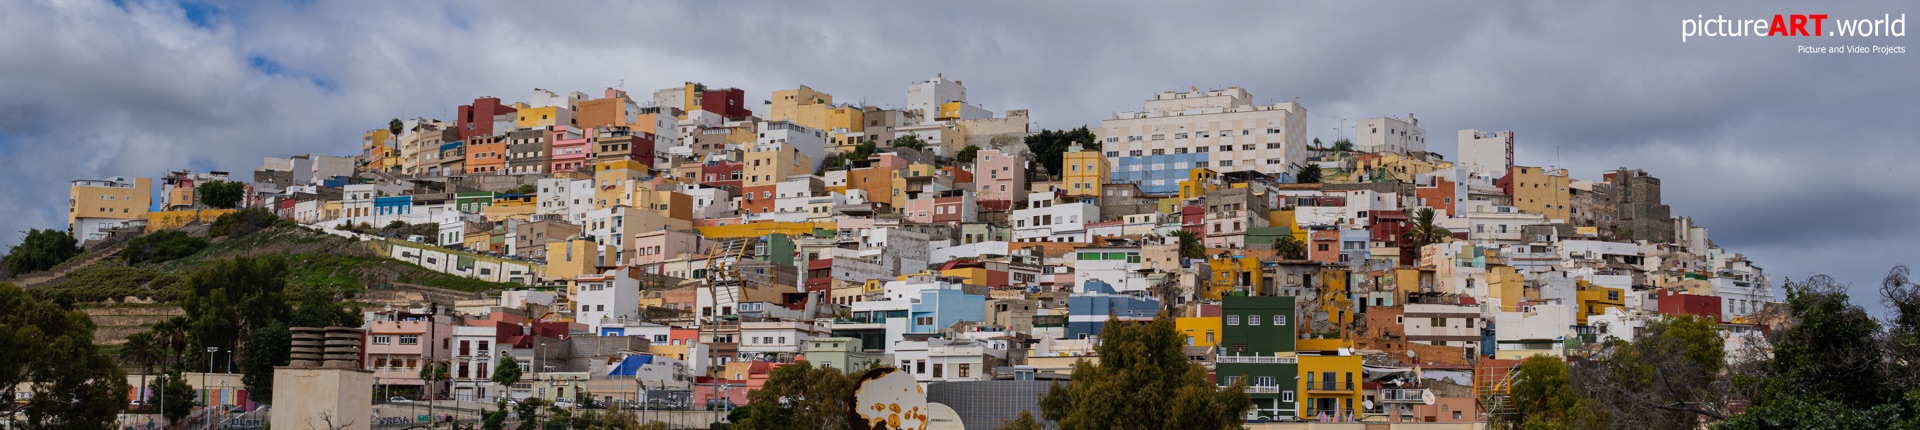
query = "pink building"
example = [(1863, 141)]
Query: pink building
[(999, 176), (398, 344), (571, 149), (657, 246), (955, 206)]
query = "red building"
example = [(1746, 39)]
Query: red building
[(1390, 228), (1323, 245), (1688, 304), (476, 119), (1193, 220), (730, 103), (722, 174), (1437, 193)]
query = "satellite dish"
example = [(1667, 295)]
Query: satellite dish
[(1411, 354), (1368, 403), (1426, 397)]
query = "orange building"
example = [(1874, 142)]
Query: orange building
[(486, 155)]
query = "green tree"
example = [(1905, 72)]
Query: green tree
[(1190, 246), (179, 397), (433, 371), (1143, 381), (161, 246), (1543, 395), (1343, 146), (244, 222), (1668, 377), (529, 411), (395, 126), (53, 376), (968, 154), (270, 346), (1290, 247), (495, 419), (222, 194), (1422, 231), (1023, 422), (507, 372), (141, 350), (1308, 173), (908, 141), (41, 250), (1828, 368), (799, 396), (1049, 147)]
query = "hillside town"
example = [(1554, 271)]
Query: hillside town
[(673, 249)]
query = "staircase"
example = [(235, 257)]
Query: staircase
[(1493, 392)]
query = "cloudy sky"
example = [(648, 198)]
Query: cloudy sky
[(1801, 161)]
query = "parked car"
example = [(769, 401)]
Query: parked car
[(663, 404), (563, 404), (720, 405)]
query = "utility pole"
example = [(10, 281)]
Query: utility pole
[(207, 410)]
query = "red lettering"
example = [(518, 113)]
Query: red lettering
[(1799, 25), (1817, 20), (1779, 26)]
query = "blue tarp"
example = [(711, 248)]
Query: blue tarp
[(631, 364)]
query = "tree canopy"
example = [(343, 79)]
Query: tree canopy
[(967, 154), (1143, 381), (41, 250), (799, 396), (1049, 147), (1190, 246), (53, 376), (222, 194), (1308, 173)]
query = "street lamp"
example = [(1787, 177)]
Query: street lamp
[(211, 350)]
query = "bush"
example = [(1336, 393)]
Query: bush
[(243, 222), (41, 250), (98, 283), (163, 246)]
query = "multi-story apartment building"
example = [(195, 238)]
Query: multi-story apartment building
[(399, 342), (1487, 153), (529, 149), (478, 119), (99, 205), (1084, 172), (1235, 135), (572, 150), (1542, 191), (611, 297), (622, 143), (1257, 347), (1390, 135), (1048, 218), (999, 177), (486, 155)]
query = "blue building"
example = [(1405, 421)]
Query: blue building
[(940, 309), (1087, 314), (398, 205), (1157, 174)]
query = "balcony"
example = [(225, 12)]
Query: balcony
[(1401, 395), (1256, 359), (1261, 389), (1328, 386)]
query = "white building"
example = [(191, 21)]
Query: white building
[(1443, 324), (1389, 134), (1118, 267), (775, 340), (473, 363), (566, 197), (941, 360), (608, 298), (1235, 134), (928, 96), (1486, 152), (1048, 220)]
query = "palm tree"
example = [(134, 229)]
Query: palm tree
[(1423, 232), (1190, 246), (141, 350), (170, 336)]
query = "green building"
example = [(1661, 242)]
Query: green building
[(1257, 346), (472, 202)]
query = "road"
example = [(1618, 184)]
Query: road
[(469, 411)]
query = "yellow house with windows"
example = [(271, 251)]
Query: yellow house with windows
[(1199, 182), (1200, 331), (1084, 172), (544, 116), (1233, 273), (1595, 299), (1330, 379)]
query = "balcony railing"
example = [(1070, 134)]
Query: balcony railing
[(1401, 395), (1255, 359), (1261, 389)]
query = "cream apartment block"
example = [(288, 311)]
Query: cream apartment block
[(1158, 145)]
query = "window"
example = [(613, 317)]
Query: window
[(1286, 396), (1253, 320), (920, 367), (1233, 320), (408, 339), (966, 370), (1263, 381), (1279, 320), (1439, 322), (1469, 322), (937, 370), (382, 340)]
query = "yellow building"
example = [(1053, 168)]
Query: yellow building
[(1509, 286), (968, 275), (611, 179), (1233, 273), (375, 148), (786, 103), (95, 205), (1399, 167), (544, 116), (1595, 299), (1542, 191), (1199, 182), (568, 259), (1329, 383), (1200, 331), (1084, 171)]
